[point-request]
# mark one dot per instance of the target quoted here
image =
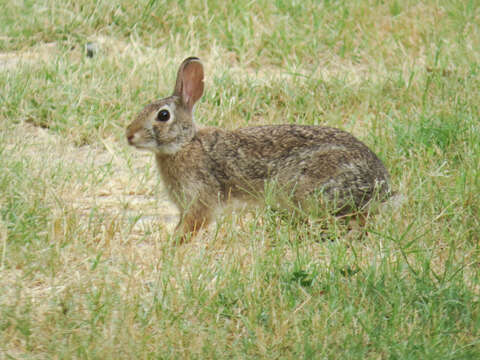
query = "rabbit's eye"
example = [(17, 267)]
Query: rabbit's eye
[(163, 115)]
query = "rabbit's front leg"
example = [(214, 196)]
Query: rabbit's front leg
[(196, 217)]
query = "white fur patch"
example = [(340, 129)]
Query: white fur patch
[(168, 149)]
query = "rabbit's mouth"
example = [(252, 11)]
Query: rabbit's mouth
[(139, 143), (153, 146)]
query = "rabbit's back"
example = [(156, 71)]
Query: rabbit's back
[(302, 158)]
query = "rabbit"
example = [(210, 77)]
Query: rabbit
[(204, 168)]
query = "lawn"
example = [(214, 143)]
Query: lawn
[(88, 268)]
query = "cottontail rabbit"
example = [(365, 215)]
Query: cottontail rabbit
[(204, 168)]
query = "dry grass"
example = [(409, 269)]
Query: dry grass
[(87, 266)]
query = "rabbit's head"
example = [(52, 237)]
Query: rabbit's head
[(166, 125)]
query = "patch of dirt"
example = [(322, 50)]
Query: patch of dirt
[(112, 179), (40, 53)]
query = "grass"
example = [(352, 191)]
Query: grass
[(87, 267)]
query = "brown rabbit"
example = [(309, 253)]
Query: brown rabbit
[(204, 168)]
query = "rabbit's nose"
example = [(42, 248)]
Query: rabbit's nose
[(130, 139)]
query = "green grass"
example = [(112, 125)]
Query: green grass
[(87, 266)]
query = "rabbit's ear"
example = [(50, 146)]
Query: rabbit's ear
[(189, 85)]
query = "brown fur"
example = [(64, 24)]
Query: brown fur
[(205, 168)]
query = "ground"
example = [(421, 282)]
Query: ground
[(87, 265)]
